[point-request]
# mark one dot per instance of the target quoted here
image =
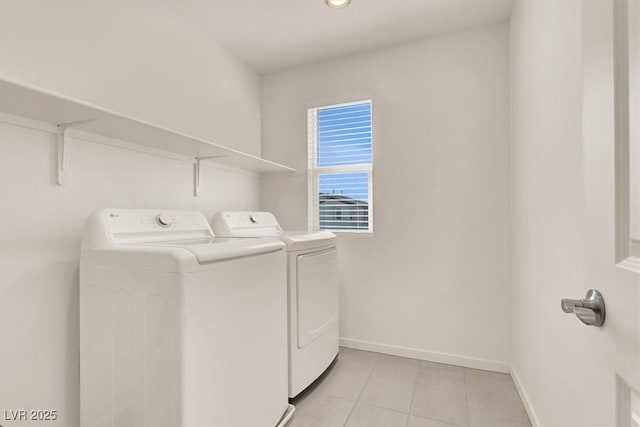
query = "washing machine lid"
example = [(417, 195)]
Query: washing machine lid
[(219, 248)]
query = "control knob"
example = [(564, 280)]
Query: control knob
[(163, 220)]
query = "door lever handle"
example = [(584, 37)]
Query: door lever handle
[(590, 310)]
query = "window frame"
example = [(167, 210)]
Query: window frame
[(314, 172)]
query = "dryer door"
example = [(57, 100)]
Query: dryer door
[(317, 289)]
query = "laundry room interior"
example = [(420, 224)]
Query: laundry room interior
[(320, 213)]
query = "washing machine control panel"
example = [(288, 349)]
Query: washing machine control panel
[(142, 221)]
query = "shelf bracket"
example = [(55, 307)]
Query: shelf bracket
[(196, 173), (60, 137)]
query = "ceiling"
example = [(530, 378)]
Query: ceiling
[(271, 35)]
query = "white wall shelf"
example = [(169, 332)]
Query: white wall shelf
[(23, 100)]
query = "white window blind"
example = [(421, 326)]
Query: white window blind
[(340, 167)]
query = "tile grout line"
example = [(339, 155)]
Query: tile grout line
[(368, 378), (409, 414), (382, 407), (362, 390), (413, 392), (466, 394), (434, 419)]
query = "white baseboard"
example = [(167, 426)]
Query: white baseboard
[(533, 417), (431, 356)]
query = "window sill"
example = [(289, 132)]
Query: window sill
[(357, 235)]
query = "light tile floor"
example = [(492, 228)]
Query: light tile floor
[(375, 390)]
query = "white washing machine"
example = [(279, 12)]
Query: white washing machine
[(313, 291), (179, 327)]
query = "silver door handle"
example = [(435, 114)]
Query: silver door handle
[(590, 310)]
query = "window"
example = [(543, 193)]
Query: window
[(340, 167)]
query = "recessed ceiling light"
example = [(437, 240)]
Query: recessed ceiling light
[(337, 4)]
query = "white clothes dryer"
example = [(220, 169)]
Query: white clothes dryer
[(312, 291), (179, 327)]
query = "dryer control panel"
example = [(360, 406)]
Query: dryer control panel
[(246, 224)]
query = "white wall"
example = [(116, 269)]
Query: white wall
[(137, 59), (634, 111), (434, 278), (548, 208)]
